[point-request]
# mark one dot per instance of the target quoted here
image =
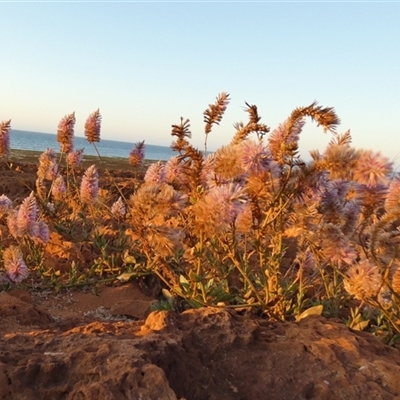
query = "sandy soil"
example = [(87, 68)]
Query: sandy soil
[(79, 345)]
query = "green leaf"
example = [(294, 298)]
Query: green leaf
[(316, 310), (194, 303)]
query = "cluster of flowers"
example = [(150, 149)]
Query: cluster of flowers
[(243, 205), (340, 211), (22, 222)]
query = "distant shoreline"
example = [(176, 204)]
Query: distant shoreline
[(112, 163)]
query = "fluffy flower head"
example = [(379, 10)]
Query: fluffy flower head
[(363, 280), (5, 204), (74, 158), (58, 188), (155, 173), (90, 185), (14, 264), (65, 133), (92, 127), (27, 216), (48, 168), (372, 168), (136, 156), (118, 209), (255, 157)]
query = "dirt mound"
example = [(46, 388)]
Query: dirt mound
[(80, 346)]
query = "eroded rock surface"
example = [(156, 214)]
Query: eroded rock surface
[(52, 348)]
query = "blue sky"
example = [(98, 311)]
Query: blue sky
[(147, 64)]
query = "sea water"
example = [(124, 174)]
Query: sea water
[(25, 140)]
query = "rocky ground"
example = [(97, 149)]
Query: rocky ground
[(76, 345)]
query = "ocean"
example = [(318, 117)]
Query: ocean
[(25, 140)]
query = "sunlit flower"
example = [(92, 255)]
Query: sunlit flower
[(351, 215), (42, 231), (27, 216), (5, 127), (372, 169), (48, 168), (74, 158), (336, 247), (339, 255), (163, 240), (90, 185), (209, 178), (136, 156), (58, 188), (41, 189), (306, 261), (14, 264), (155, 173), (92, 127), (118, 208), (339, 160), (157, 203), (332, 200), (255, 156), (5, 204), (283, 141), (174, 171), (393, 196), (12, 223), (227, 163), (363, 280), (219, 208), (65, 133), (244, 219), (370, 197)]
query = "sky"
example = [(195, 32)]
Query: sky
[(146, 64)]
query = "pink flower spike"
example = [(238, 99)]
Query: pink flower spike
[(74, 158), (48, 168), (136, 156), (43, 231), (90, 186), (118, 208), (372, 168), (58, 189), (26, 217), (92, 127), (5, 204), (155, 173), (65, 133), (255, 157), (14, 264)]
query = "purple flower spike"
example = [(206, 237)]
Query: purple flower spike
[(136, 156), (90, 186), (92, 127), (14, 264), (65, 133)]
